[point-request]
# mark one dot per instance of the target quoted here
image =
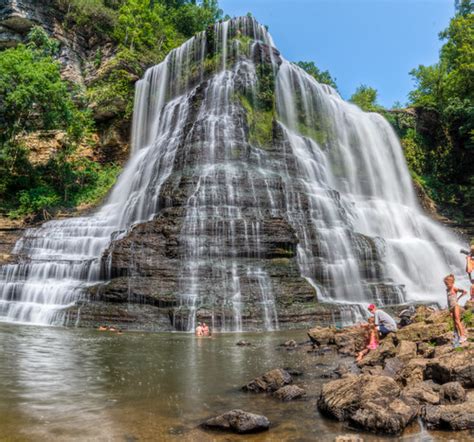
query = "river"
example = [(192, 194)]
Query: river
[(59, 384)]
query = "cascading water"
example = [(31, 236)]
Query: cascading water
[(332, 174)]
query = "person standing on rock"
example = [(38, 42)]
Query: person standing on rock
[(384, 322), (455, 310)]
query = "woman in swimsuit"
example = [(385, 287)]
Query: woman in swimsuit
[(452, 298)]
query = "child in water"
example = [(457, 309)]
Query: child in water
[(453, 298), (372, 339)]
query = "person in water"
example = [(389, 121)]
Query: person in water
[(470, 269), (372, 339), (383, 321), (199, 330), (453, 306), (205, 329)]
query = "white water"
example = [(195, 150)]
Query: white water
[(346, 192)]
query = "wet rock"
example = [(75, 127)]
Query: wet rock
[(289, 393), (294, 372), (238, 421), (421, 393), (290, 344), (452, 393), (243, 343), (322, 336), (457, 366), (386, 415), (369, 402), (350, 340), (450, 416), (269, 382)]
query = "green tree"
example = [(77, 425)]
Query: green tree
[(366, 98), (32, 93), (320, 76)]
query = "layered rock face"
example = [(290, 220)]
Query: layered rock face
[(253, 196)]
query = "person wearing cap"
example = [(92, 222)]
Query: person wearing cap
[(384, 322)]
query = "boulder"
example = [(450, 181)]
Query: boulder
[(406, 350), (372, 403), (422, 393), (269, 382), (452, 393), (413, 372), (322, 336), (386, 349), (350, 340), (289, 393), (238, 421), (457, 366), (450, 416), (392, 366), (385, 415)]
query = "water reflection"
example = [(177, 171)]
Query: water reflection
[(60, 384)]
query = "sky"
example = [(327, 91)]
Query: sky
[(371, 42)]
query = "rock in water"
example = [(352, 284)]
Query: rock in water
[(289, 393), (238, 421), (369, 402), (452, 416), (270, 381), (452, 393)]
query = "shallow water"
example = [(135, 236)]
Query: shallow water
[(72, 384)]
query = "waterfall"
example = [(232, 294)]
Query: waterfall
[(334, 175)]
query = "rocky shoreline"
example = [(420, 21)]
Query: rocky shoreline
[(416, 374)]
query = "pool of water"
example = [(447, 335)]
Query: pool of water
[(72, 384)]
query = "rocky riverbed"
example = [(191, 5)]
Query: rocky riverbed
[(415, 375)]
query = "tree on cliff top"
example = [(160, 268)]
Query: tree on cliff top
[(320, 76), (366, 98)]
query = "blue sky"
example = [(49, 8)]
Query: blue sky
[(373, 42)]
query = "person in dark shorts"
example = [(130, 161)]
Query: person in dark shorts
[(384, 322)]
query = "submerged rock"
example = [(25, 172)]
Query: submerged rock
[(238, 421), (269, 382), (244, 344), (289, 393)]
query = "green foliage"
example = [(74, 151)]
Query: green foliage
[(366, 98), (33, 95), (259, 121), (444, 95), (468, 318), (95, 16), (320, 76)]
